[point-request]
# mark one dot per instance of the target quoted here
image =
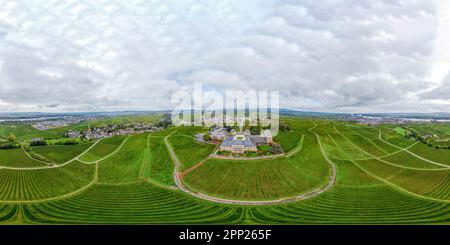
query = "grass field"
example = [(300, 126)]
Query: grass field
[(132, 185)]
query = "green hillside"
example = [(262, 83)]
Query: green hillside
[(381, 177)]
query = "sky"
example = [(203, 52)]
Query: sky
[(330, 55)]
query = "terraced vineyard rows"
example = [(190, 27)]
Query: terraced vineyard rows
[(26, 185), (263, 179), (126, 164), (336, 146), (61, 153), (375, 148), (134, 184), (189, 151), (17, 158), (131, 203), (358, 199), (102, 149), (440, 156), (432, 184), (405, 159), (160, 165)]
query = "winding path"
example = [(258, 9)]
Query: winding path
[(412, 153), (177, 178), (54, 166), (105, 157), (70, 194), (386, 162)]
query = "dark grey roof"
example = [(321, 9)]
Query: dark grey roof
[(258, 139), (230, 141)]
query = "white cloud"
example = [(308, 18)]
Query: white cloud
[(113, 55)]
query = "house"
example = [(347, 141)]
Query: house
[(247, 132), (73, 134), (241, 142), (238, 144), (268, 135), (35, 140), (233, 132), (219, 134)]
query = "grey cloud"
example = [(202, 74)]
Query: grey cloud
[(328, 55)]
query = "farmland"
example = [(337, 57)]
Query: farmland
[(17, 158), (380, 177), (24, 131), (102, 149), (61, 153), (263, 179)]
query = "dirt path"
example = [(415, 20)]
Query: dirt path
[(54, 166), (384, 161), (411, 153), (94, 181), (29, 156), (105, 157), (178, 176)]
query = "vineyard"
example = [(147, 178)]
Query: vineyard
[(61, 153), (17, 158), (380, 177), (263, 179)]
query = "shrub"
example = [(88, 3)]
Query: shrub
[(12, 138), (207, 137), (38, 143), (276, 149), (9, 145)]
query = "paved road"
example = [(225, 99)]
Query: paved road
[(313, 193)]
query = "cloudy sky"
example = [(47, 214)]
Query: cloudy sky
[(330, 55)]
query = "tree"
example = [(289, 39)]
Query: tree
[(12, 138), (255, 130), (38, 142), (207, 137)]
